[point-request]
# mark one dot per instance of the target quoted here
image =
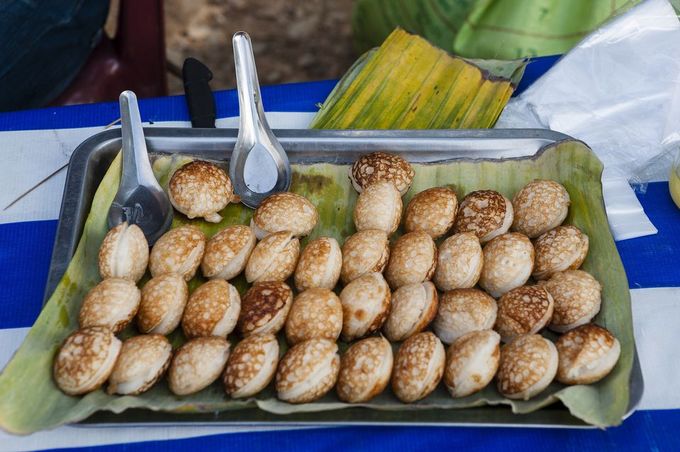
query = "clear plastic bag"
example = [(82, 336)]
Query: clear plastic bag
[(619, 91)]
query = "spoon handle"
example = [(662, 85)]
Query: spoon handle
[(136, 165), (249, 98)]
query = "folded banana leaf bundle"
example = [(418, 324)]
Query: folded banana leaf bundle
[(30, 401), (407, 83)]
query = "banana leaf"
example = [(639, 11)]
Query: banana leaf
[(407, 83), (30, 401), (438, 21), (512, 29), (503, 29)]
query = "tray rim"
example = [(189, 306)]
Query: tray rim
[(80, 166)]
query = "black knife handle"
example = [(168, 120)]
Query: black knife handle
[(198, 94)]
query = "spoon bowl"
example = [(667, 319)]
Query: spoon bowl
[(259, 166)]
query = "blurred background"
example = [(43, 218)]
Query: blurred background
[(292, 40), (73, 51)]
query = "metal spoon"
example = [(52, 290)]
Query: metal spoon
[(140, 199), (259, 166)]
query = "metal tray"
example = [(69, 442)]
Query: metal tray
[(91, 159)]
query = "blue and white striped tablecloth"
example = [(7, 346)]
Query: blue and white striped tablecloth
[(38, 142)]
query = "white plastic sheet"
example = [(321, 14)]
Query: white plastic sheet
[(619, 91)]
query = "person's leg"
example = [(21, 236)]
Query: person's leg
[(43, 45)]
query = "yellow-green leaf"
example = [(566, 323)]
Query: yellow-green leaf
[(407, 83)]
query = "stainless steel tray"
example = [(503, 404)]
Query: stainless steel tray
[(91, 159)]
